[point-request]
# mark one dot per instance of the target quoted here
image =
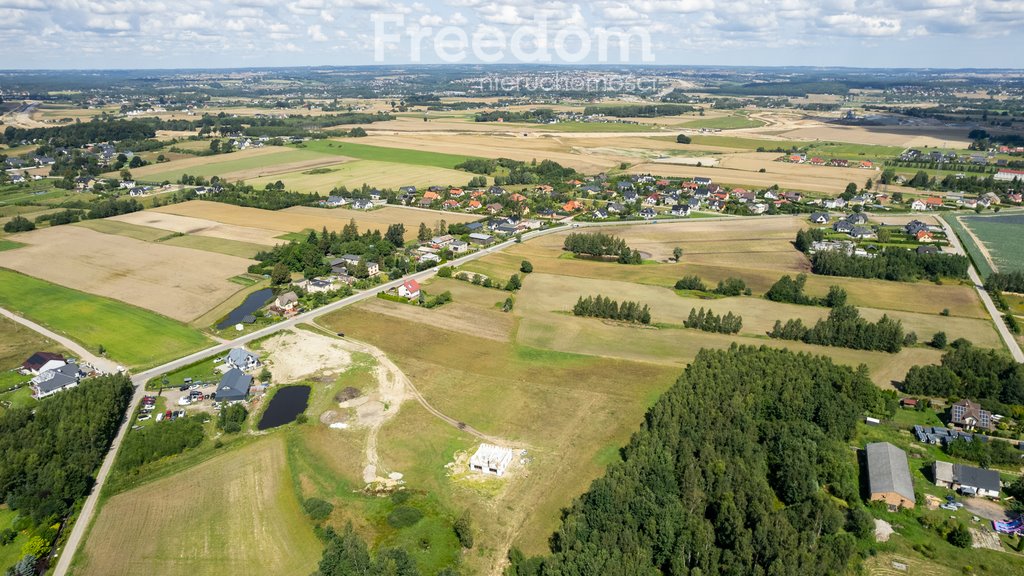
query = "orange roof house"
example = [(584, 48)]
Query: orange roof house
[(572, 206), (431, 195)]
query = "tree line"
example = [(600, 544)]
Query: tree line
[(604, 307), (638, 110), (791, 291), (967, 371), (710, 322), (600, 245), (891, 263), (1006, 282), (740, 468), (844, 327)]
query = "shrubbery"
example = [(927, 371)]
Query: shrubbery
[(711, 322), (602, 307), (844, 327)]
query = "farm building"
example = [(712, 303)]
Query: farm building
[(491, 459), (241, 359), (234, 386), (50, 382), (889, 475), (41, 362), (967, 479)]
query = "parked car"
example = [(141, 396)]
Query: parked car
[(167, 415), (206, 396), (143, 418), (160, 417), (179, 414), (183, 387)]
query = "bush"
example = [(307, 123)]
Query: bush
[(444, 272), (317, 509), (731, 287), (404, 516), (464, 530), (683, 139), (231, 418), (19, 224), (526, 267), (960, 537), (691, 283)]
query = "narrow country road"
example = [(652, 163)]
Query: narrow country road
[(979, 285)]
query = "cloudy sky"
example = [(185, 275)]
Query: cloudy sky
[(237, 33)]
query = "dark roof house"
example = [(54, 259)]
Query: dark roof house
[(234, 386)]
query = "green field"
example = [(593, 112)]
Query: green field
[(730, 122), (979, 260), (1001, 235), (131, 335), (9, 244), (384, 154), (744, 143)]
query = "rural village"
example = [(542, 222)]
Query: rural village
[(447, 328)]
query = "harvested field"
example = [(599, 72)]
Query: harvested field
[(354, 174), (217, 245), (885, 135), (789, 176), (299, 218), (234, 514), (201, 227), (491, 324), (242, 165), (176, 282), (119, 228)]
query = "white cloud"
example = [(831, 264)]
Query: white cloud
[(316, 33), (858, 25), (112, 24)]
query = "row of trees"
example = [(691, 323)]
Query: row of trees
[(844, 327), (710, 322), (638, 110), (49, 452), (1006, 282), (969, 372), (600, 245), (699, 486), (791, 291), (891, 263), (603, 307)]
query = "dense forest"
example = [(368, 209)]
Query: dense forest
[(537, 115), (741, 468), (791, 291), (603, 307), (844, 327), (599, 245), (891, 263), (969, 372), (347, 554), (710, 322), (80, 134)]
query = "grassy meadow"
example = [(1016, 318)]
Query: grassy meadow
[(1001, 236), (131, 335)]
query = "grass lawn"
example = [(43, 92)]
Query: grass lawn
[(131, 335), (9, 244), (234, 513), (11, 553), (199, 371), (384, 154)]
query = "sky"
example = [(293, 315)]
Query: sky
[(86, 34)]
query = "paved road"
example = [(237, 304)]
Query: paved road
[(101, 364), (997, 317)]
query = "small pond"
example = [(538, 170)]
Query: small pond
[(253, 302), (284, 407)]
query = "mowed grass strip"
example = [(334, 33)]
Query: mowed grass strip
[(234, 514), (144, 233), (218, 245), (131, 335), (9, 244), (382, 154)]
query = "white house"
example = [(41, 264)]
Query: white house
[(409, 289), (491, 459), (918, 205), (287, 301), (53, 381)]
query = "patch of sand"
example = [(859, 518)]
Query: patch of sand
[(299, 354), (883, 530), (985, 539)]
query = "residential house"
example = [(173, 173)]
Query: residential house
[(572, 206), (843, 226), (490, 459), (681, 210), (933, 202), (648, 213), (234, 386), (918, 205), (615, 208), (857, 218), (362, 204), (50, 382), (41, 362), (831, 203), (966, 479), (241, 359), (287, 301), (127, 184), (372, 268), (924, 236), (407, 190), (862, 233), (600, 214), (889, 476), (458, 247), (929, 249), (442, 241), (480, 239), (314, 285), (494, 208), (701, 181), (819, 217), (969, 416), (138, 191), (409, 289)]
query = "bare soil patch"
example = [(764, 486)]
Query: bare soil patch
[(201, 227), (294, 355)]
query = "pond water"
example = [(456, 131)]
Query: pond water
[(253, 302), (284, 407)]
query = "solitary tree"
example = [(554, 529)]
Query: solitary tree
[(677, 253), (939, 340), (683, 139), (526, 267)]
